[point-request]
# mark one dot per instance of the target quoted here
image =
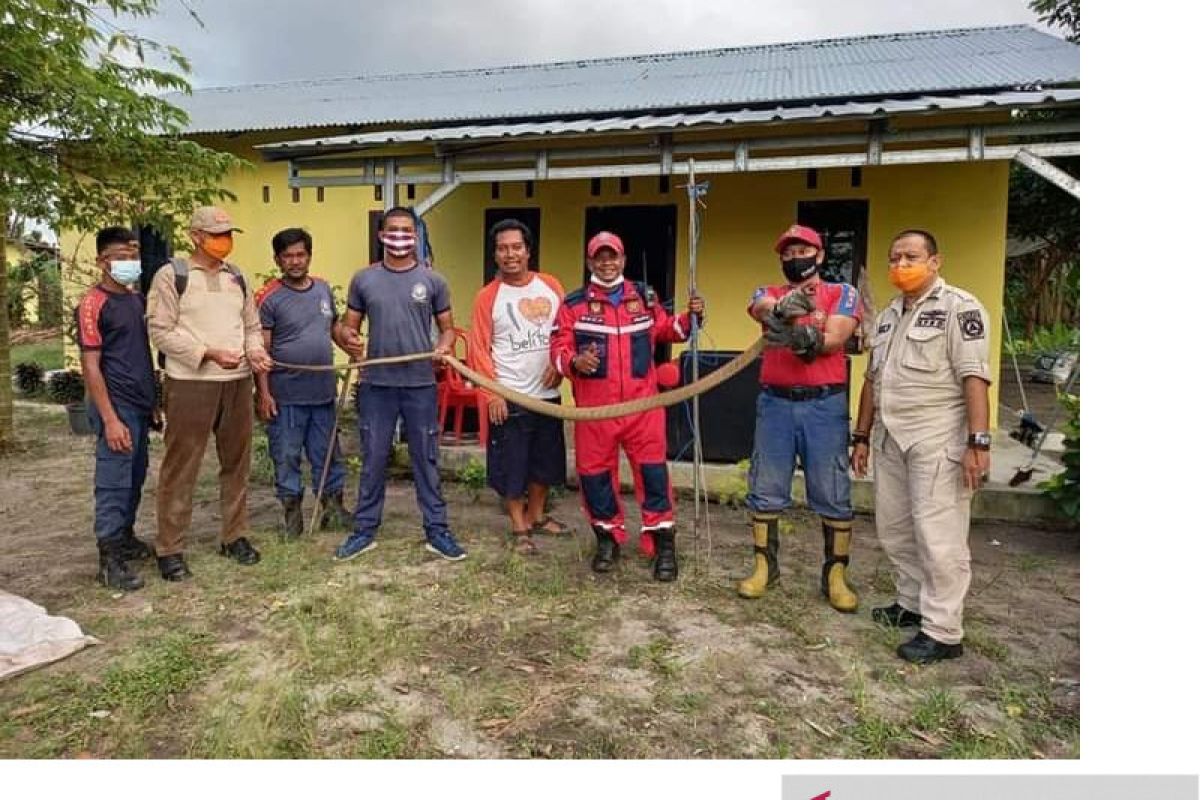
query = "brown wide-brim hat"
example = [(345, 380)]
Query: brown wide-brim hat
[(212, 219)]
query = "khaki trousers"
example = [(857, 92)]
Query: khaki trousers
[(196, 409), (922, 517)]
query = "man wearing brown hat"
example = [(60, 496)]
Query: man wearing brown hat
[(803, 412), (204, 324)]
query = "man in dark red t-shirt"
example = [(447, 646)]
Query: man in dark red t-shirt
[(802, 412)]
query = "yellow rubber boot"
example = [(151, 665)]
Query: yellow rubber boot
[(837, 558), (766, 557)]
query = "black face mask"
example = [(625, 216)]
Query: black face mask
[(799, 269)]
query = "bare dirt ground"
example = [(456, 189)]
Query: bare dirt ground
[(397, 654)]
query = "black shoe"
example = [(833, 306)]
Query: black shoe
[(665, 567), (241, 551), (921, 649), (293, 517), (896, 616), (607, 550), (173, 568), (113, 571), (133, 548), (334, 514)]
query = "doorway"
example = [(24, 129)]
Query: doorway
[(532, 217), (648, 233)]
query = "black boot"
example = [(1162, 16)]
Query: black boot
[(293, 517), (133, 548), (113, 572), (665, 568), (607, 550), (334, 513)]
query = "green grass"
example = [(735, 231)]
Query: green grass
[(398, 655), (48, 354), (70, 712)]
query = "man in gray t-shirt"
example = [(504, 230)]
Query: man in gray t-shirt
[(401, 298), (297, 311)]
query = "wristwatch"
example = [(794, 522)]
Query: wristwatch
[(979, 441)]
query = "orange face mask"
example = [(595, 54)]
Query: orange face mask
[(910, 277), (218, 246)]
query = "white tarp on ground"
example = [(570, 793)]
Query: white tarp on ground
[(30, 638)]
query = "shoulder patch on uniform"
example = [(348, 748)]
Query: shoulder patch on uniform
[(971, 324), (933, 318), (884, 327), (266, 290)]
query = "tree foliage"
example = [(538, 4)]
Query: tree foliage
[(84, 139), (1059, 14), (1042, 289)]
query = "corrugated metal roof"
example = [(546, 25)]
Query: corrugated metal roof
[(932, 62), (675, 121)]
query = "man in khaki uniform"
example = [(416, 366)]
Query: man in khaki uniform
[(924, 414), (203, 321)]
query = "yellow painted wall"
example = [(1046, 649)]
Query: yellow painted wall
[(963, 205)]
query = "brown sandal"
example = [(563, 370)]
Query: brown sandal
[(523, 543), (542, 527)]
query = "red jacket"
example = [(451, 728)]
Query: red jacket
[(625, 335)]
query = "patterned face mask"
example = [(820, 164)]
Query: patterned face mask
[(398, 244)]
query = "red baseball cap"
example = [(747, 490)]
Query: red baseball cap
[(798, 233), (605, 239)]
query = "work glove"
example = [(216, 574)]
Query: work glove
[(806, 342), (794, 304)]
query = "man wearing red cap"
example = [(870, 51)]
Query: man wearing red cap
[(603, 340), (802, 412)]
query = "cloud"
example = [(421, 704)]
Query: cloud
[(269, 41)]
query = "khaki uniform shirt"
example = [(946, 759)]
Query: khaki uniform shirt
[(213, 312), (919, 359)]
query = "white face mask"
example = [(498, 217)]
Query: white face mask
[(124, 272), (615, 282)]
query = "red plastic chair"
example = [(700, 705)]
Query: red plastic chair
[(457, 394)]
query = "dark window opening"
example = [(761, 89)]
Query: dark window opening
[(155, 249)]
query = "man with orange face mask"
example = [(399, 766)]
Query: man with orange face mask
[(924, 413), (203, 322)]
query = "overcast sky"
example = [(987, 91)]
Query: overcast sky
[(267, 41)]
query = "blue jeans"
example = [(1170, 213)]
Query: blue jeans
[(815, 431), (379, 407), (306, 428), (119, 476)]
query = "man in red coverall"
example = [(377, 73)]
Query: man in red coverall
[(603, 340)]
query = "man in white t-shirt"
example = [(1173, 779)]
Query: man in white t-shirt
[(510, 343)]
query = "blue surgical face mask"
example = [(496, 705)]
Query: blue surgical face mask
[(125, 273)]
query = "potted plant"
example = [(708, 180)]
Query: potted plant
[(66, 388), (27, 378)]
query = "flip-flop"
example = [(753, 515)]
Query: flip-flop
[(539, 527), (523, 543)]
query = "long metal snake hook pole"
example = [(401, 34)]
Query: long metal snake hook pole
[(694, 348), (337, 410)]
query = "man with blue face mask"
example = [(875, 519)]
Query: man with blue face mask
[(122, 405)]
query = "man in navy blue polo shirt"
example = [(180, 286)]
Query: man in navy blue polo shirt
[(298, 312), (401, 297), (110, 322)]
